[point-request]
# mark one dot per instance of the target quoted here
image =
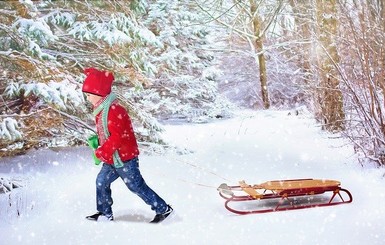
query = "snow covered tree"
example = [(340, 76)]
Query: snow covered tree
[(45, 47), (246, 22), (258, 38), (25, 67), (161, 68), (303, 12), (354, 54), (329, 96), (185, 85), (362, 69)]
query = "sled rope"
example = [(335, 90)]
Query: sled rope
[(200, 168), (188, 181), (197, 167), (197, 184)]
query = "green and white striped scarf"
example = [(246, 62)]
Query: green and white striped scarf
[(104, 107)]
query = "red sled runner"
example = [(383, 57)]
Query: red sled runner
[(282, 195)]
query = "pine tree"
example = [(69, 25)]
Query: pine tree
[(45, 47), (185, 85), (160, 64)]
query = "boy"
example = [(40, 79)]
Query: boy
[(116, 148)]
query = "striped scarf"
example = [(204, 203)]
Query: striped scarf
[(104, 107)]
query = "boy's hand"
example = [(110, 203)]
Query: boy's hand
[(93, 142), (97, 161)]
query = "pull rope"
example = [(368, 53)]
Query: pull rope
[(189, 182), (194, 166), (200, 168), (197, 184)]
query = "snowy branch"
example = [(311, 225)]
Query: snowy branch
[(7, 185)]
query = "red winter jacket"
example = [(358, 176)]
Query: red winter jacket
[(122, 137)]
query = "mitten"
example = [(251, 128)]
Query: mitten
[(93, 142), (96, 160)]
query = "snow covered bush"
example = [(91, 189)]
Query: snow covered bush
[(362, 81), (7, 185), (14, 200), (9, 129)]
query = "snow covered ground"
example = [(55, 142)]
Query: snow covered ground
[(254, 146)]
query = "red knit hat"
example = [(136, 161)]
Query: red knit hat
[(97, 82)]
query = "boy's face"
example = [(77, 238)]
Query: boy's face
[(92, 98)]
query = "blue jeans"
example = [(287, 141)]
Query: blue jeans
[(134, 181)]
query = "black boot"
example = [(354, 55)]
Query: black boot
[(160, 217), (99, 216)]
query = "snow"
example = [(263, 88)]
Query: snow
[(9, 129), (255, 146), (58, 93), (37, 28)]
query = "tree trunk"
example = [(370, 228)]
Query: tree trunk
[(261, 56), (303, 18), (329, 94)]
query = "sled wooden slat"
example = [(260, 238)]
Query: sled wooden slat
[(279, 185), (250, 190)]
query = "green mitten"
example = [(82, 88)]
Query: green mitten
[(96, 160), (93, 142)]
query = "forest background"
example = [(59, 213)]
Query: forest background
[(194, 61)]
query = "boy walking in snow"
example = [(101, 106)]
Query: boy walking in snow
[(117, 149)]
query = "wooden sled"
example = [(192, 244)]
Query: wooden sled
[(282, 195)]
